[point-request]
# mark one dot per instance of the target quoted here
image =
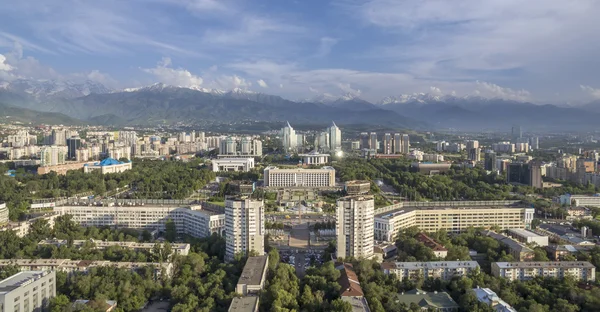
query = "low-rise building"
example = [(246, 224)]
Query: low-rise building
[(314, 158), (351, 291), (438, 250), (528, 237), (108, 165), (437, 301), (233, 164), (253, 276), (244, 304), (430, 168), (301, 178), (100, 305), (357, 187), (522, 271), (3, 214), (27, 291), (518, 251), (444, 270), (490, 298), (579, 213), (178, 249)]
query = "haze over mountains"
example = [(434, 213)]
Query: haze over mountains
[(92, 102)]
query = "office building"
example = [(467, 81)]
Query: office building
[(397, 143), (53, 155), (357, 187), (197, 221), (579, 200), (523, 271), (452, 216), (335, 137), (528, 237), (430, 168), (73, 143), (233, 164), (405, 143), (244, 226), (304, 178), (438, 301), (253, 276), (27, 291), (490, 298), (534, 143), (444, 270), (490, 161), (388, 144), (373, 143), (289, 139), (474, 154), (526, 174), (108, 165), (365, 142), (244, 304), (314, 158), (354, 226), (516, 133)]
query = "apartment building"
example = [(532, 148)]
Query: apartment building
[(253, 276), (528, 237), (453, 216), (3, 214), (72, 266), (354, 226), (197, 221), (244, 226), (178, 249), (27, 291), (275, 177), (522, 271), (518, 251), (444, 270)]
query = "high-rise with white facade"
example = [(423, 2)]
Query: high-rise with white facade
[(335, 137), (397, 143), (354, 226), (289, 138), (388, 144), (244, 226), (373, 144), (405, 143), (53, 155)]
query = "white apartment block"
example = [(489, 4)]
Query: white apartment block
[(523, 271), (528, 237), (579, 200), (194, 221), (27, 291), (444, 270), (178, 249), (233, 164), (354, 226), (454, 217), (244, 226), (3, 214), (275, 177)]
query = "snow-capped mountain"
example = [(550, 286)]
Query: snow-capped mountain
[(415, 97), (47, 89), (327, 98)]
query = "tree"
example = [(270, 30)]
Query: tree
[(339, 305), (59, 303), (540, 254), (170, 231)]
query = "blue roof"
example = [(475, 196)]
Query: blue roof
[(108, 162)]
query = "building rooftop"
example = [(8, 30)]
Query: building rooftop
[(436, 300), (507, 241), (357, 198), (349, 282), (524, 233), (358, 182), (20, 279), (430, 265), (243, 304), (430, 242), (359, 304), (253, 270), (486, 295), (545, 264)]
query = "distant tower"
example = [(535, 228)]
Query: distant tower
[(387, 144), (405, 143), (364, 140), (373, 141), (335, 137), (397, 143), (289, 138), (516, 133)]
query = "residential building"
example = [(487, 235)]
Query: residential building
[(528, 237), (473, 150), (228, 146), (233, 164), (373, 143), (534, 143), (490, 161), (253, 276), (72, 266), (437, 301), (365, 142), (53, 155), (27, 291), (518, 251), (244, 226), (437, 248), (351, 291), (444, 270), (335, 137), (397, 143), (108, 165), (523, 271), (354, 226), (197, 221), (289, 139), (275, 177), (490, 298), (405, 143), (4, 214), (503, 147), (388, 144), (178, 249), (244, 304), (452, 216)]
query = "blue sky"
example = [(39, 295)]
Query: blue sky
[(537, 50)]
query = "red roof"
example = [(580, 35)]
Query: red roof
[(349, 282)]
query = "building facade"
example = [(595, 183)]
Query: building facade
[(244, 226), (305, 178), (27, 291), (523, 271), (354, 226), (444, 270), (4, 214), (253, 276), (233, 164)]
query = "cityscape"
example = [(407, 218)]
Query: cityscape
[(301, 156)]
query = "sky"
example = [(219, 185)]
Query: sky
[(543, 51)]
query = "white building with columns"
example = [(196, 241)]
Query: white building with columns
[(314, 158)]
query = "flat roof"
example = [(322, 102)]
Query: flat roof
[(545, 264), (243, 304), (20, 279), (524, 233), (359, 304), (253, 270), (430, 265), (399, 211)]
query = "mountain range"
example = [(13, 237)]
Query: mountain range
[(93, 103)]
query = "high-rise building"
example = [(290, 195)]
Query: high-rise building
[(244, 226), (387, 144), (490, 161), (534, 143), (228, 146), (52, 155), (397, 143), (474, 154), (59, 137), (364, 140), (257, 147), (335, 137), (523, 173), (246, 146), (516, 132), (373, 144), (355, 226), (288, 138), (322, 141), (405, 143), (73, 143), (471, 144)]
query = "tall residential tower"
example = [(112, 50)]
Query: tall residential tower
[(244, 226), (355, 226)]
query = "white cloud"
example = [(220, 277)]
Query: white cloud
[(346, 88), (262, 83), (103, 78), (4, 66), (281, 86), (435, 90), (493, 90), (595, 93), (325, 46), (172, 76)]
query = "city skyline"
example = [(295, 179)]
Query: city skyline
[(371, 49)]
